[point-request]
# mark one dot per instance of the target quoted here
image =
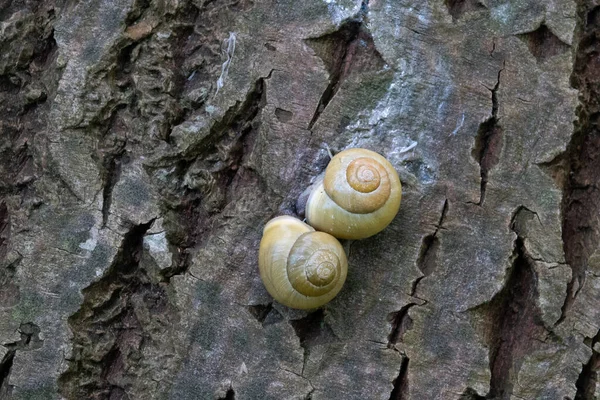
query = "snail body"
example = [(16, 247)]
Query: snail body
[(358, 196), (300, 268)]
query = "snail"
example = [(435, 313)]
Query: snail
[(300, 268), (357, 197)]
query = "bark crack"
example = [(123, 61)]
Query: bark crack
[(343, 40), (581, 189), (111, 171), (265, 314), (5, 368), (400, 391), (30, 340), (543, 44), (489, 141), (312, 331), (457, 8), (471, 394), (427, 260), (401, 322), (350, 48), (229, 395), (120, 316), (207, 174), (588, 378), (513, 323)]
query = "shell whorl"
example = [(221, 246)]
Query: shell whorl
[(358, 196), (356, 183), (300, 268)]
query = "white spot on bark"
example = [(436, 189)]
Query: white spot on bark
[(92, 241), (243, 368), (339, 12), (408, 148), (158, 248), (228, 50), (501, 12), (459, 124)]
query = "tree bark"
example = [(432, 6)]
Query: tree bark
[(144, 145)]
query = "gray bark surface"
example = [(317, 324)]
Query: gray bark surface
[(144, 145)]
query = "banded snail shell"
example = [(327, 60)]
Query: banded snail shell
[(358, 196), (300, 268)]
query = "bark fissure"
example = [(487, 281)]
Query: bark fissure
[(25, 85), (5, 368), (350, 48), (581, 189), (9, 290), (513, 322), (4, 229), (309, 395), (342, 40), (111, 171), (109, 330), (456, 8), (401, 322), (265, 314), (229, 395), (180, 264), (488, 142), (543, 44), (400, 391), (588, 378), (427, 260), (471, 394), (29, 340), (312, 330), (205, 180)]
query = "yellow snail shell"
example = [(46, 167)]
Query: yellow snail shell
[(299, 267), (358, 196)]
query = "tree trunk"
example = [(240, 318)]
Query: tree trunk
[(144, 145)]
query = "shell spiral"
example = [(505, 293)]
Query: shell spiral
[(300, 268), (358, 196)]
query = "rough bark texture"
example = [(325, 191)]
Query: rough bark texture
[(144, 144)]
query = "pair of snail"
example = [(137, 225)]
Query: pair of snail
[(303, 265)]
